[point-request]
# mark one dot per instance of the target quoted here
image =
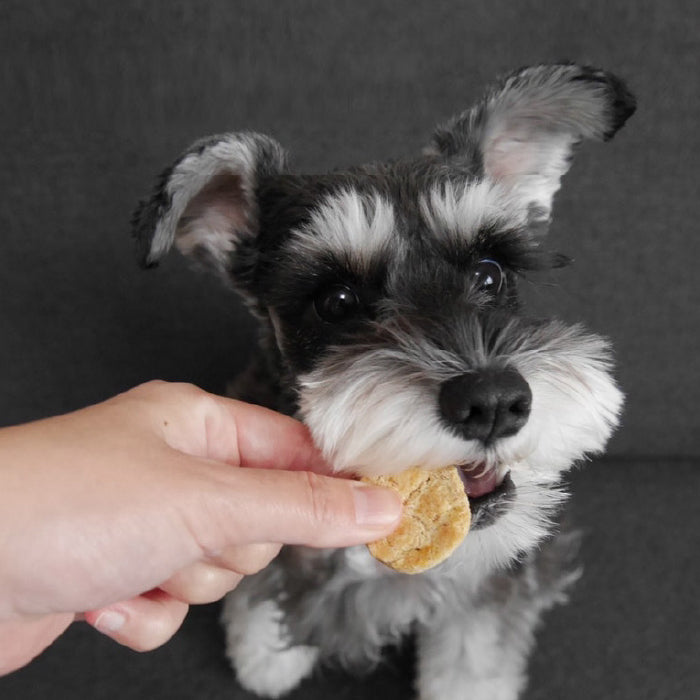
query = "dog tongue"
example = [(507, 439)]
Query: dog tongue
[(478, 480)]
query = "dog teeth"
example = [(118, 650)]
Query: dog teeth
[(480, 479), (475, 470)]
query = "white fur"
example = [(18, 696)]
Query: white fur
[(398, 426), (460, 211), (259, 646), (377, 411), (465, 662), (348, 225), (576, 404), (480, 645)]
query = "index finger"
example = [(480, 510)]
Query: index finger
[(260, 438)]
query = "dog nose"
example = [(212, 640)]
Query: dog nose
[(486, 404)]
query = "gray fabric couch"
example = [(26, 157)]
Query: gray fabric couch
[(99, 97)]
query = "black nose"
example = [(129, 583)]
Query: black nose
[(486, 404)]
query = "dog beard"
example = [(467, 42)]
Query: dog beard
[(373, 409)]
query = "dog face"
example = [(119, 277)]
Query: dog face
[(391, 289)]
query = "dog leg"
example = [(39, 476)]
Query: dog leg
[(479, 650), (467, 657), (259, 645)]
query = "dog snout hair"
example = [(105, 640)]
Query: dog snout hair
[(487, 404)]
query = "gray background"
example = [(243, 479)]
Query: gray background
[(97, 98)]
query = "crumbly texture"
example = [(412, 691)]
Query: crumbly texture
[(435, 519)]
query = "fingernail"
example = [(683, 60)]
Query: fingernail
[(375, 506), (109, 621)]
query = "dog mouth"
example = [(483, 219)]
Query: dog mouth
[(490, 490)]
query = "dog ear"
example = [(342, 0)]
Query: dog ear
[(206, 202), (523, 132)]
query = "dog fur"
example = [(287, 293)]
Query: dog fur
[(375, 288)]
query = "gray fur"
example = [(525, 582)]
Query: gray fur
[(404, 242)]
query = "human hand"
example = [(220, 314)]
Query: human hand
[(126, 512)]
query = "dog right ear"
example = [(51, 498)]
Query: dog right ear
[(206, 203)]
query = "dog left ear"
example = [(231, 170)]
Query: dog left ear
[(522, 134), (206, 203)]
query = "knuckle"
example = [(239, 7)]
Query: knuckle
[(323, 504), (188, 390), (203, 583), (211, 586), (185, 391), (254, 558), (150, 388), (157, 396), (161, 389)]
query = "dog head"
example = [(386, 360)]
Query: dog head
[(391, 289)]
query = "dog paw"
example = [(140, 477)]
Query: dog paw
[(258, 645)]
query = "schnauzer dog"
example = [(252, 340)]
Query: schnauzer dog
[(391, 325)]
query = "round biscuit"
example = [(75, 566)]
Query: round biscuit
[(434, 522)]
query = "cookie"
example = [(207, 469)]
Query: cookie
[(435, 519)]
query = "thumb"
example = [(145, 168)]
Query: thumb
[(300, 507)]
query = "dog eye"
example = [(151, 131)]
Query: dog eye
[(489, 276), (336, 303)]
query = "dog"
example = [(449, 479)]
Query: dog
[(387, 296)]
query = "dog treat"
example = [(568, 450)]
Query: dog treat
[(435, 519)]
